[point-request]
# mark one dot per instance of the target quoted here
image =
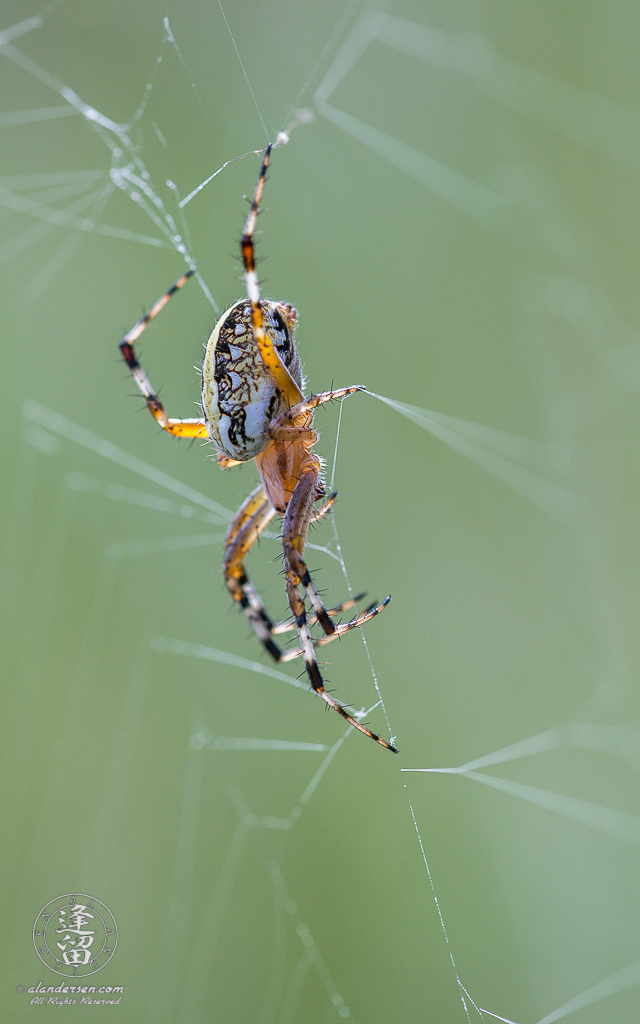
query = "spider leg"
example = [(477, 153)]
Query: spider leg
[(342, 627), (252, 518), (283, 379), (289, 624), (225, 462), (249, 522), (283, 427), (294, 530), (178, 427), (321, 511)]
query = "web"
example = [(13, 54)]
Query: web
[(457, 229)]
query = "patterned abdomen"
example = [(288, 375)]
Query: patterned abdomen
[(239, 396)]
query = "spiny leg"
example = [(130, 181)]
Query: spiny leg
[(294, 530), (342, 627), (247, 596), (178, 427), (326, 506), (283, 427), (294, 534), (284, 627), (249, 506), (297, 564), (289, 624), (242, 533), (283, 379), (250, 521)]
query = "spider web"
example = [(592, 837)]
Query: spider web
[(455, 231)]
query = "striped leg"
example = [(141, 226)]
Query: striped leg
[(289, 624), (294, 530), (340, 628), (326, 506), (251, 519), (283, 428), (249, 522), (177, 427), (283, 379)]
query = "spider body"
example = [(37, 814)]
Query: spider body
[(254, 408)]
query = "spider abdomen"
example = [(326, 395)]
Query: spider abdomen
[(239, 394)]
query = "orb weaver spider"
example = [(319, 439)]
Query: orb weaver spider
[(254, 409)]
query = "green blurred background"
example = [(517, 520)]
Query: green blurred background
[(461, 236)]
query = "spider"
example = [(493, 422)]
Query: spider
[(253, 408)]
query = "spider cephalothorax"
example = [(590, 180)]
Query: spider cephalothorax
[(254, 408)]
